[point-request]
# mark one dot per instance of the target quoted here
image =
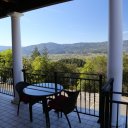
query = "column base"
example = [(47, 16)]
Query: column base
[(15, 101)]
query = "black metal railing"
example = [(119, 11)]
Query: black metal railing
[(114, 113), (121, 107), (106, 108), (93, 99), (89, 99), (88, 84), (6, 81)]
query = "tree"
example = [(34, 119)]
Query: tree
[(5, 64), (75, 61), (37, 63), (27, 63), (6, 58), (125, 73), (94, 65), (41, 62), (45, 60), (35, 53)]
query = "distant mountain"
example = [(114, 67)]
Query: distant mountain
[(52, 48), (76, 48), (4, 48)]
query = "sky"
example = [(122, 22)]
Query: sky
[(65, 23)]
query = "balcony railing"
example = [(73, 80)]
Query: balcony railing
[(109, 106), (6, 81), (88, 84), (93, 99), (122, 110)]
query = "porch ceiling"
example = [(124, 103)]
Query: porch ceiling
[(9, 6)]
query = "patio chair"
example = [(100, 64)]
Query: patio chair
[(24, 98), (65, 104)]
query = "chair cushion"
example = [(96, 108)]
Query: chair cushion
[(57, 102)]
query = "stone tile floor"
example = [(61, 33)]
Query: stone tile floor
[(9, 118)]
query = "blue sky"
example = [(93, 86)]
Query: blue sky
[(71, 22)]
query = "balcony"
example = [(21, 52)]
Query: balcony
[(91, 104), (87, 103), (115, 60)]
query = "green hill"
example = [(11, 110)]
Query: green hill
[(76, 48)]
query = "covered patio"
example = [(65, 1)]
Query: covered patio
[(15, 8)]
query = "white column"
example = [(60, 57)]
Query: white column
[(115, 51), (16, 50)]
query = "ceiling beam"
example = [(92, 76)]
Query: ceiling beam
[(9, 6)]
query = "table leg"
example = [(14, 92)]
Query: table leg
[(45, 109), (30, 112)]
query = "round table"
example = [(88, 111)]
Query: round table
[(41, 91)]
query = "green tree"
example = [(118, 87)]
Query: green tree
[(45, 61), (37, 63), (27, 63), (6, 58), (75, 61), (125, 73), (5, 64), (41, 63), (35, 53), (94, 65)]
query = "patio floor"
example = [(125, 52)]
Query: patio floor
[(9, 118)]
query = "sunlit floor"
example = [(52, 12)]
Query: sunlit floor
[(9, 118)]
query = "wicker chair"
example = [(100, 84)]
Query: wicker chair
[(24, 98), (65, 104)]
